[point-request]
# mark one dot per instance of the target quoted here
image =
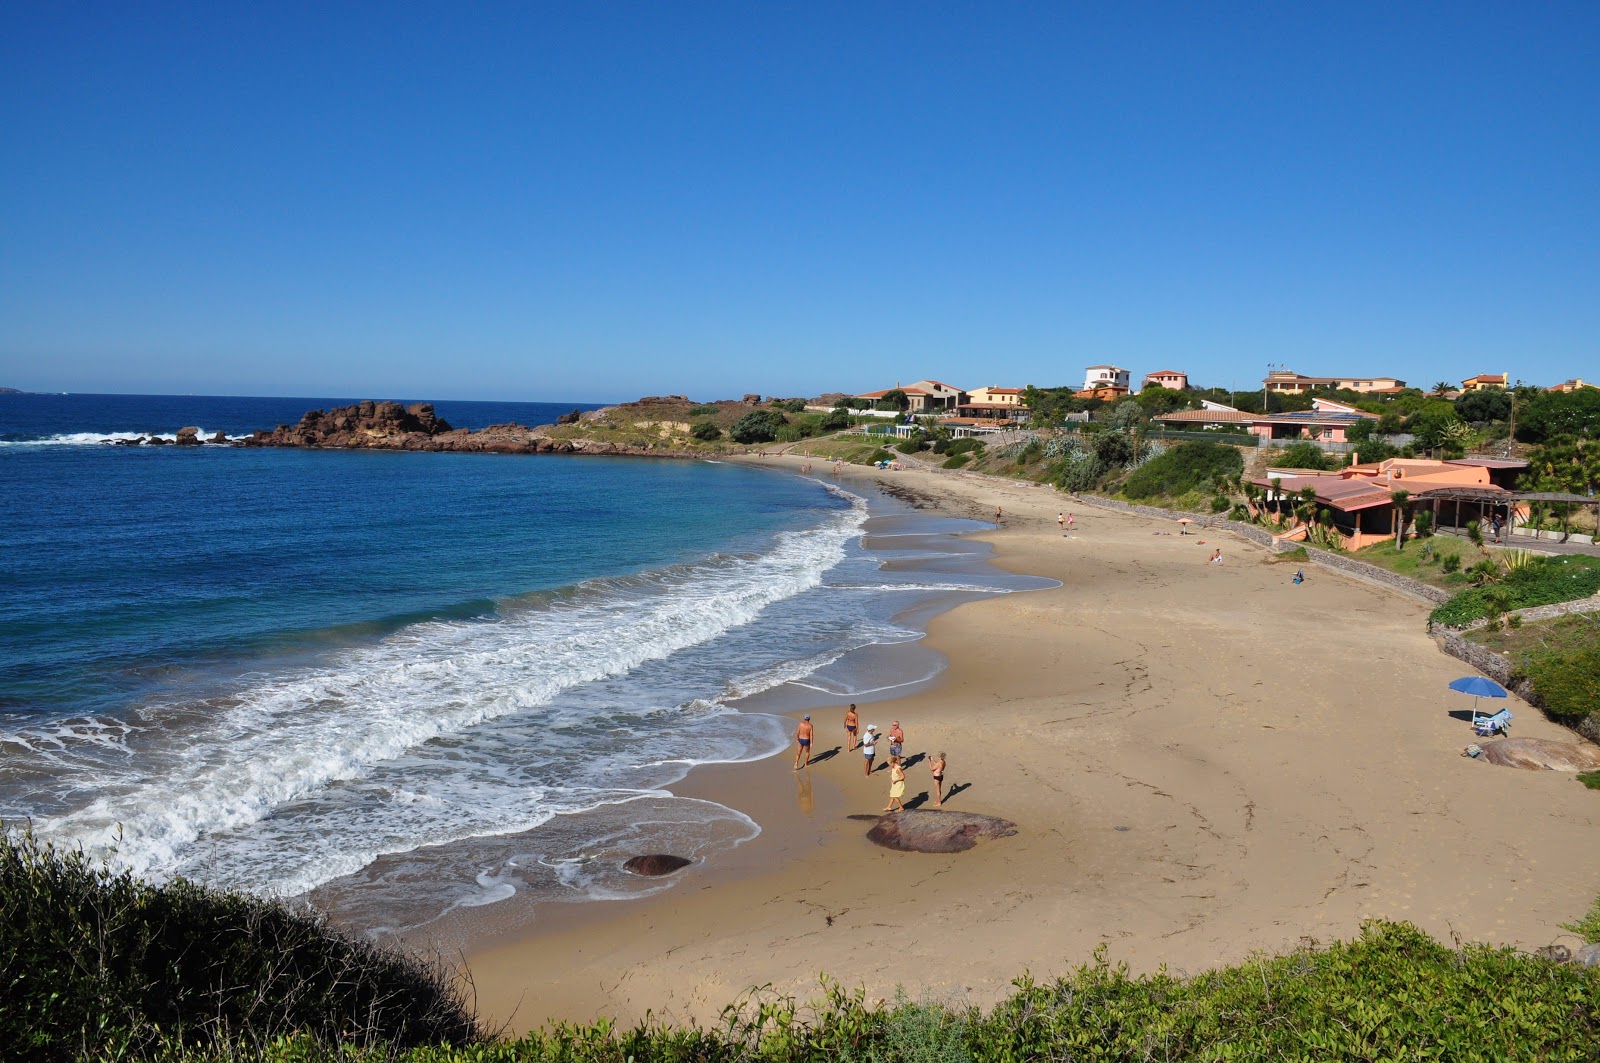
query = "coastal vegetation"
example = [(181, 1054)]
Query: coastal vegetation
[(1559, 658), (1183, 468), (1535, 581), (96, 963), (102, 966)]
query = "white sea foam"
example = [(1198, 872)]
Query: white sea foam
[(84, 439), (288, 744)]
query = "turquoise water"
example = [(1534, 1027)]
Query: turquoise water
[(281, 669)]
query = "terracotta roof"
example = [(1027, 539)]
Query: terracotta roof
[(1187, 416), (885, 391), (1487, 378), (1166, 372)]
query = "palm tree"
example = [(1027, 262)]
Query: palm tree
[(1399, 498), (1441, 388), (1308, 499)]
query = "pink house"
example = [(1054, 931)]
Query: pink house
[(1167, 378), (1359, 498)]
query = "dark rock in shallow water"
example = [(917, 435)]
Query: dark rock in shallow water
[(933, 831), (188, 437), (220, 437), (157, 441), (656, 864)]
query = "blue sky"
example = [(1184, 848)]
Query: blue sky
[(598, 201)]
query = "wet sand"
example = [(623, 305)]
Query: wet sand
[(1203, 761)]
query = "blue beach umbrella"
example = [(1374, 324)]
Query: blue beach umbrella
[(1478, 687)]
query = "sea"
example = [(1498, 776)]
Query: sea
[(413, 684)]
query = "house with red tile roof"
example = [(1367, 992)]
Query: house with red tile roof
[(1327, 421), (1174, 379), (927, 396), (1359, 498), (994, 403), (1485, 380)]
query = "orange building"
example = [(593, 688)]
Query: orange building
[(1485, 380), (1359, 498)]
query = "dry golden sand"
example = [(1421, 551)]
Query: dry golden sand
[(1203, 761)]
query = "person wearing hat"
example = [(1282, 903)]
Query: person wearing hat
[(869, 745), (802, 734)]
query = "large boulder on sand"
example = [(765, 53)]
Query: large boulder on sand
[(1538, 754), (919, 830), (656, 864)]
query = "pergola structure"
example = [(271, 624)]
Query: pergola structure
[(1495, 497)]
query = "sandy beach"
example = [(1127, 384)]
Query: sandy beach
[(1202, 760)]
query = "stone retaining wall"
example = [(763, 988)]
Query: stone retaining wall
[(1404, 584), (1546, 612)]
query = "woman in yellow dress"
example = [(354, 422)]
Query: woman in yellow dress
[(897, 787)]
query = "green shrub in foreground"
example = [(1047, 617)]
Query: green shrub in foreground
[(92, 959), (1394, 993), (1183, 468), (1541, 582), (1566, 680)]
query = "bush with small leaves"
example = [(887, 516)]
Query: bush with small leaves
[(757, 426), (705, 431)]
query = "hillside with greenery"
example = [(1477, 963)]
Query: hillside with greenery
[(98, 965)]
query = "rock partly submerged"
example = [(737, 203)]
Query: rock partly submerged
[(655, 864), (918, 830), (1540, 754), (391, 426)]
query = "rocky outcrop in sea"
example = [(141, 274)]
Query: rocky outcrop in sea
[(391, 426)]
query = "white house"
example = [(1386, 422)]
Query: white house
[(1105, 376)]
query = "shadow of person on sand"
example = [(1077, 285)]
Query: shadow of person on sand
[(827, 755), (915, 758), (918, 801), (948, 794)]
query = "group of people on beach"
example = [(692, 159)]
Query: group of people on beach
[(867, 742)]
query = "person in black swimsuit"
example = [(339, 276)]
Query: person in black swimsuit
[(936, 765)]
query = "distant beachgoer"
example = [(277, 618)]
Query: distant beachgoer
[(1299, 575), (851, 722), (1216, 558), (802, 735), (897, 788), (997, 514), (1061, 519), (869, 745), (897, 740), (1070, 519), (937, 767)]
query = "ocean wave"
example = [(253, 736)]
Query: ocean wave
[(84, 439), (281, 743)]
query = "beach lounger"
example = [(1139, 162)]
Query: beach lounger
[(1487, 725)]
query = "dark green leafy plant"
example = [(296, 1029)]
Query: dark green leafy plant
[(91, 957), (1183, 468), (757, 426)]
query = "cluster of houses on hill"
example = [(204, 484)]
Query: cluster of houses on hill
[(1327, 421)]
